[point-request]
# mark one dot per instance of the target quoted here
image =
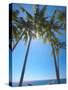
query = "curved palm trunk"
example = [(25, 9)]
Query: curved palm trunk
[(56, 67), (25, 62)]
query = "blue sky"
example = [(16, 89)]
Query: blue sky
[(40, 64)]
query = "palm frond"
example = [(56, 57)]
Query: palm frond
[(27, 13)]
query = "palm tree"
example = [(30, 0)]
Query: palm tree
[(20, 29), (29, 28), (36, 24), (61, 19), (49, 35)]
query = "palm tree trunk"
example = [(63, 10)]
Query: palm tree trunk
[(56, 67), (25, 62)]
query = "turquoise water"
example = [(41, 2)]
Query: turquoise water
[(40, 82)]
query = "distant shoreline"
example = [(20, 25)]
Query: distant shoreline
[(40, 82)]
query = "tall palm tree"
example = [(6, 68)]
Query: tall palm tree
[(26, 29), (53, 27), (36, 24), (61, 19), (20, 29)]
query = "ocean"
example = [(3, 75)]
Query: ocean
[(40, 82)]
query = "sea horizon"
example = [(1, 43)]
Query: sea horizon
[(39, 82)]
